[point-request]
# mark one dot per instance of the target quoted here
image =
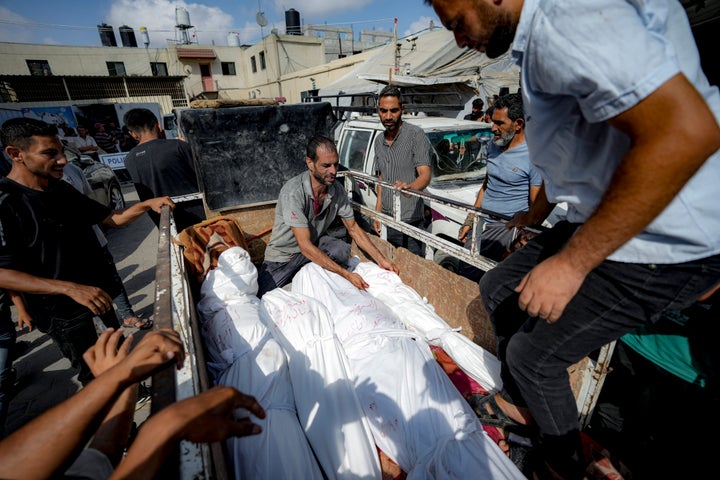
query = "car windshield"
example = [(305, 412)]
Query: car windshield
[(459, 154)]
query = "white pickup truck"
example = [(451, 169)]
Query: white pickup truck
[(245, 187), (455, 176)]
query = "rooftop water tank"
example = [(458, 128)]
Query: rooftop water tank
[(182, 17), (144, 36), (107, 35), (127, 36), (292, 22), (233, 39)]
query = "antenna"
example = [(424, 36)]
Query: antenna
[(261, 20)]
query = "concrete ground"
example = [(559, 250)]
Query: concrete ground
[(44, 377)]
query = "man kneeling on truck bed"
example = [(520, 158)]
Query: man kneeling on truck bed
[(307, 205)]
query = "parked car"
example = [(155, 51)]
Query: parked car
[(105, 184)]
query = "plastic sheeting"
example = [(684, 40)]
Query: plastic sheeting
[(420, 317), (418, 418), (243, 354), (327, 405)]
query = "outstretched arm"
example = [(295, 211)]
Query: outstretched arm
[(315, 255), (653, 171), (207, 417), (364, 242), (93, 298), (75, 420), (119, 218)]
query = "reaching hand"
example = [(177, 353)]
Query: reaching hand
[(24, 320), (357, 280), (93, 298), (155, 351), (207, 417), (462, 235), (386, 264), (547, 289), (105, 354), (210, 416), (157, 203), (377, 226)]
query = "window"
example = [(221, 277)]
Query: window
[(253, 64), (262, 60), (116, 69), (39, 68), (159, 69), (353, 148), (228, 68)]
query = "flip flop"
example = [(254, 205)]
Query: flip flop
[(137, 322), (497, 418)]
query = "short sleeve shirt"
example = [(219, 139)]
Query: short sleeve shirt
[(409, 150), (49, 234), (571, 83), (296, 208), (510, 176)]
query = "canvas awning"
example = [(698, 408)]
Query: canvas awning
[(196, 53)]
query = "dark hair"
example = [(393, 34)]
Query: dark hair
[(513, 102), (18, 132), (391, 91), (319, 141), (140, 120), (478, 103)]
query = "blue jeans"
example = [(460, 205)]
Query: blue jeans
[(7, 343), (272, 275), (615, 299)]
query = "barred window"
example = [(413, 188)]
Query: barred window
[(253, 64), (262, 60)]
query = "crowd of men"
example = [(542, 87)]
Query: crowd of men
[(641, 237)]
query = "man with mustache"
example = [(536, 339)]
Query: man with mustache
[(402, 157), (307, 206), (643, 229)]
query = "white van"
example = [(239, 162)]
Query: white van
[(453, 177)]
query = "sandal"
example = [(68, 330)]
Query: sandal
[(137, 322), (497, 418)]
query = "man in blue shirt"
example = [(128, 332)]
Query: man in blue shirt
[(511, 184), (599, 78)]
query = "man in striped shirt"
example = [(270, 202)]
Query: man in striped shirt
[(402, 157)]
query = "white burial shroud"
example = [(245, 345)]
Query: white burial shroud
[(243, 354), (420, 317), (418, 417), (325, 397)]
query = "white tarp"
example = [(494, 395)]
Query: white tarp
[(327, 405), (420, 317), (418, 417), (433, 58), (243, 354)]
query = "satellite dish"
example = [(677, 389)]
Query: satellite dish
[(260, 19)]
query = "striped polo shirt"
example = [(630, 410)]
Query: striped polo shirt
[(399, 161)]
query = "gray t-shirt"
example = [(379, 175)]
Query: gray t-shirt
[(295, 208)]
